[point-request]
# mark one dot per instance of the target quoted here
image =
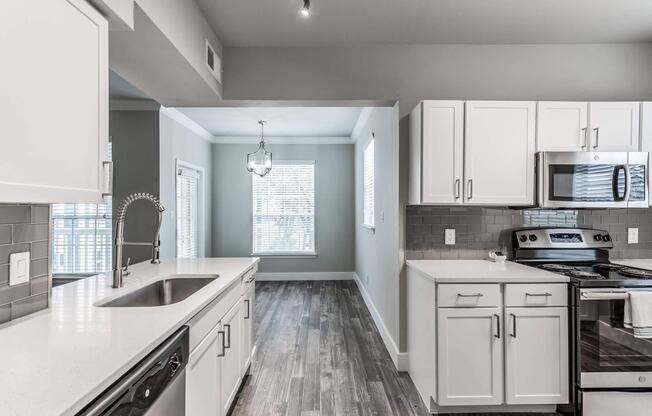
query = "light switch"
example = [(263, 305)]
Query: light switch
[(632, 236), (18, 268), (449, 237)]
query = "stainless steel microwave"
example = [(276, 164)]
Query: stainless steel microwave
[(592, 179)]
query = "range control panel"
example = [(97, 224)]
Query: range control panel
[(562, 238)]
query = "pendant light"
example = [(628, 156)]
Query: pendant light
[(305, 10), (260, 161)]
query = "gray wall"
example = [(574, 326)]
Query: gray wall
[(135, 147), (24, 228), (334, 206), (377, 261), (479, 230), (414, 72), (177, 142)]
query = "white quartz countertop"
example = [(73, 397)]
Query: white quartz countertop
[(638, 263), (482, 271), (56, 361)]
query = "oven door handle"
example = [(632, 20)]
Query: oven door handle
[(604, 295)]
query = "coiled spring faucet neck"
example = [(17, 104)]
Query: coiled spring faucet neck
[(118, 271)]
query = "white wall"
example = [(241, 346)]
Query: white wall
[(411, 73), (334, 206), (377, 261), (179, 143)]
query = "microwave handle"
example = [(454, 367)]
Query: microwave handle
[(615, 183), (628, 183)]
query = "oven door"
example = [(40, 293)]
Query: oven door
[(592, 179), (608, 354)]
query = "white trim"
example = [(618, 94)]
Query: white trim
[(362, 121), (282, 140), (400, 359), (281, 277), (185, 121)]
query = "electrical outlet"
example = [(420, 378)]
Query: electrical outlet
[(632, 236), (18, 268), (449, 237)]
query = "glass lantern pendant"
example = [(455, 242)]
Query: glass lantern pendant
[(260, 161)]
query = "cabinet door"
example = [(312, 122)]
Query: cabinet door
[(469, 356), (230, 365), (202, 381), (248, 304), (54, 107), (442, 147), (499, 149), (536, 354), (614, 126), (562, 126)]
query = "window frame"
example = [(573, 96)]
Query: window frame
[(365, 224), (201, 205), (288, 254)]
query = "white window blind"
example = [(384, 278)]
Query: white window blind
[(368, 185), (284, 209), (187, 212), (82, 237)]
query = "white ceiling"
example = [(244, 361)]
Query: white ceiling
[(358, 22), (286, 124)]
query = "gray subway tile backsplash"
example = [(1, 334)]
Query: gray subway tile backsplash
[(479, 230), (24, 228)]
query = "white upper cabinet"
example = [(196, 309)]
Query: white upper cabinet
[(562, 126), (614, 126), (437, 135), (54, 108), (536, 355), (499, 152)]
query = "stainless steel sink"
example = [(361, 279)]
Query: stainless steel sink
[(161, 292)]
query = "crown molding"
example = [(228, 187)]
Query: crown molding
[(185, 121), (134, 105), (282, 140), (362, 121)]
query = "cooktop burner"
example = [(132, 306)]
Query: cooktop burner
[(639, 273), (582, 274), (553, 267)]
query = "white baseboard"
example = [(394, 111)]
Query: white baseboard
[(400, 359), (280, 277)]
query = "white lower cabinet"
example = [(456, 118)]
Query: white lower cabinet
[(536, 355), (201, 377), (217, 363), (230, 374), (470, 356)]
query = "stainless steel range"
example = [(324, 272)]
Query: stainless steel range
[(610, 366)]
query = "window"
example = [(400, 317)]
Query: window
[(368, 185), (284, 210), (82, 237), (188, 187)]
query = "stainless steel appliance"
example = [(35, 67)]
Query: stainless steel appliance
[(606, 359), (156, 386), (592, 179)]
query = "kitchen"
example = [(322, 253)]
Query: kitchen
[(478, 128)]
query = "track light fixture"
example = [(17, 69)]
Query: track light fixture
[(305, 10)]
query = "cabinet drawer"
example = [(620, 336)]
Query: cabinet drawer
[(468, 295), (202, 323), (554, 294)]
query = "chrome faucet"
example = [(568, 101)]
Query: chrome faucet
[(118, 271)]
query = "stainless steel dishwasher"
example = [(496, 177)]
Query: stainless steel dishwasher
[(156, 386)]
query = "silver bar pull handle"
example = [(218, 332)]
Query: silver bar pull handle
[(513, 334), (469, 189), (497, 334), (597, 136), (583, 139), (475, 295), (107, 178), (223, 353), (538, 294), (228, 342), (457, 189), (247, 316)]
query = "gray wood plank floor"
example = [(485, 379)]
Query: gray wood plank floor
[(320, 353)]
